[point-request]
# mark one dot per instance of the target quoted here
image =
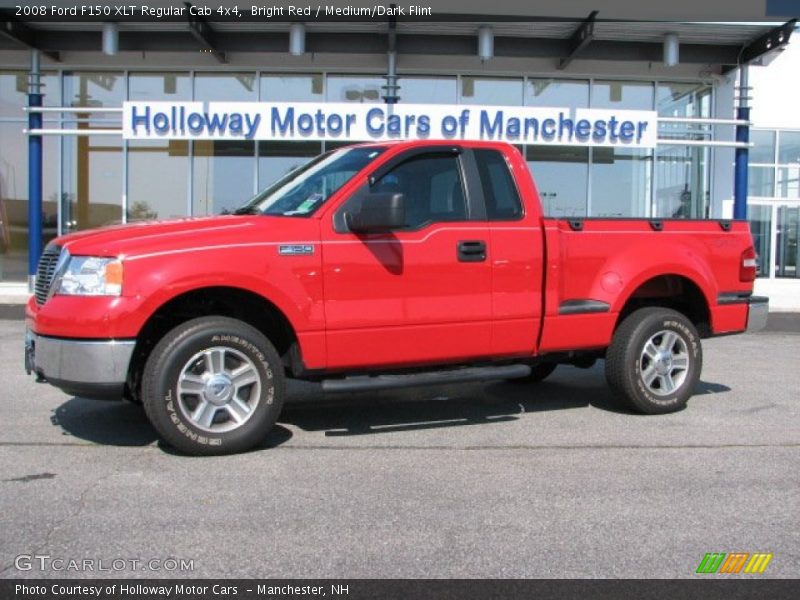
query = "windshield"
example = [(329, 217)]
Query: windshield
[(302, 191)]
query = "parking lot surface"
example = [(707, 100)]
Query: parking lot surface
[(495, 479)]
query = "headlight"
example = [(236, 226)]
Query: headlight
[(91, 276)]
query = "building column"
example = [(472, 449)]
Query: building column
[(34, 171), (742, 152)]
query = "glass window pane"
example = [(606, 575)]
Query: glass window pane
[(14, 93), (789, 147), (491, 91), (346, 88), (428, 90), (683, 99), (160, 86), (691, 100), (14, 199), (276, 159), (223, 175), (557, 92), (760, 218), (561, 174), (630, 95), (291, 88), (789, 182), (92, 181), (94, 89), (222, 87), (153, 197), (681, 182), (763, 150), (620, 182), (761, 182)]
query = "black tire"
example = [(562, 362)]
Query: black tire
[(220, 347), (629, 366), (539, 373)]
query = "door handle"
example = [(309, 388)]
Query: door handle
[(471, 251)]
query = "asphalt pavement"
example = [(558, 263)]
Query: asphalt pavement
[(495, 479)]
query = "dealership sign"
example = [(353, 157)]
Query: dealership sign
[(299, 121)]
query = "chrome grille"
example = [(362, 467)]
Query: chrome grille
[(45, 272)]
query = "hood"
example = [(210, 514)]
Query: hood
[(157, 236)]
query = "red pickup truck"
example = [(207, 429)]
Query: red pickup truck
[(374, 266)]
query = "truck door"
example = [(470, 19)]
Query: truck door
[(516, 248), (419, 293)]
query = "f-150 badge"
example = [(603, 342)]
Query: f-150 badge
[(295, 249)]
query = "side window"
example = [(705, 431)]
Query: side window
[(499, 190), (432, 187)]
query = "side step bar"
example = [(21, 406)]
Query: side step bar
[(383, 382)]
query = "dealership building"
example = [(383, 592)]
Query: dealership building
[(580, 55)]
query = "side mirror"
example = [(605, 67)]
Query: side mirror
[(378, 212)]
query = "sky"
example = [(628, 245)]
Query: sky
[(776, 89)]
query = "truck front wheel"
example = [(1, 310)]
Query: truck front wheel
[(654, 360), (213, 385)]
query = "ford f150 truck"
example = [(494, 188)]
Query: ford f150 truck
[(374, 266)]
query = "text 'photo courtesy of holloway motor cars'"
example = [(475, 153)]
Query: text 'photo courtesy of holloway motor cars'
[(382, 265)]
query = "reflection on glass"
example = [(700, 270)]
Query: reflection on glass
[(788, 249), (681, 182), (491, 91), (224, 175), (92, 181), (346, 88), (557, 92), (789, 182), (14, 93), (789, 147), (428, 90), (94, 89), (561, 174), (277, 158), (160, 86), (620, 182), (760, 218), (630, 95), (291, 88), (761, 182), (222, 87), (14, 199), (763, 149), (157, 197), (677, 99)]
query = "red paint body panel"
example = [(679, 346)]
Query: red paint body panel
[(403, 298)]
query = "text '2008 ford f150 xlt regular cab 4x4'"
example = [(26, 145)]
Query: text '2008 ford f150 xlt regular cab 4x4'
[(381, 265)]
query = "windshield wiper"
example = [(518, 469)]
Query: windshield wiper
[(247, 210)]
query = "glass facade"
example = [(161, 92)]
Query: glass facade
[(774, 201), (95, 180)]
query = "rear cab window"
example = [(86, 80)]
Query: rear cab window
[(499, 188)]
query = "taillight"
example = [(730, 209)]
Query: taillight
[(748, 268)]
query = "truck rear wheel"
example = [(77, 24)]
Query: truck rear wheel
[(654, 360), (213, 385)]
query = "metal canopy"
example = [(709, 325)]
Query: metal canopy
[(720, 44)]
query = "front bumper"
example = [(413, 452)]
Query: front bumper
[(757, 313), (87, 368)]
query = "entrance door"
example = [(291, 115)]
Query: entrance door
[(420, 293), (788, 251)]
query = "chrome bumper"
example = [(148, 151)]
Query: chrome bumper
[(757, 313), (91, 368)]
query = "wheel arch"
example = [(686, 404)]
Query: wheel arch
[(239, 303), (670, 290)]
